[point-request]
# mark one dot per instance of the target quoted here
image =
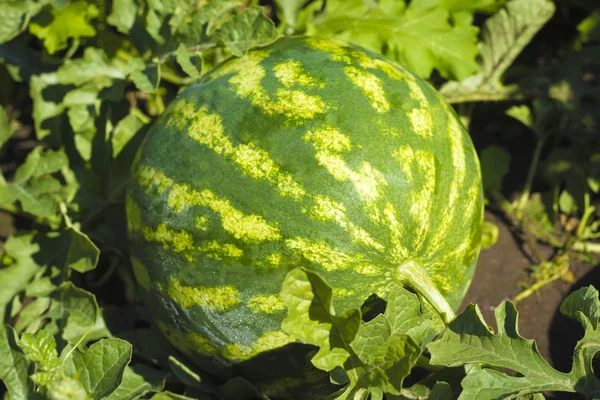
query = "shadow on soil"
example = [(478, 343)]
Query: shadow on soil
[(564, 332)]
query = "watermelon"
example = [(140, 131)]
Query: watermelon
[(310, 152)]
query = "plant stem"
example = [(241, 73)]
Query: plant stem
[(590, 247), (140, 115), (588, 211), (172, 77), (509, 93), (503, 203), (65, 214), (414, 275), (540, 284), (531, 174)]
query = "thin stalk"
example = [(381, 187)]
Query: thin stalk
[(140, 115), (503, 203), (588, 211), (414, 275), (530, 240), (109, 272), (65, 214), (586, 247), (531, 174), (72, 49), (476, 96), (173, 78), (540, 284)]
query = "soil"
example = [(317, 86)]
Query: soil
[(500, 270)]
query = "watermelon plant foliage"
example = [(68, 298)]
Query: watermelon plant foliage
[(81, 82)]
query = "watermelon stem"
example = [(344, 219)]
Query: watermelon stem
[(412, 274)]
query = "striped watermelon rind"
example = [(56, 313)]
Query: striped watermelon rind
[(310, 152)]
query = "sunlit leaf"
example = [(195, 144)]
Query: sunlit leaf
[(101, 367), (248, 29), (70, 22)]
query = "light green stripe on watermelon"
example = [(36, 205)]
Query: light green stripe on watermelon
[(207, 129), (372, 87), (418, 167), (291, 73), (266, 304), (295, 104), (221, 298), (329, 143), (180, 241), (310, 153), (268, 341)]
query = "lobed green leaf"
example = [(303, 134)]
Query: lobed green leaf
[(100, 369), (505, 35), (14, 365), (250, 28)]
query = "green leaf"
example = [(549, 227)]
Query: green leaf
[(239, 388), (70, 22), (522, 114), (40, 163), (14, 365), (505, 35), (41, 349), (489, 234), (566, 202), (125, 131), (69, 249), (30, 315), (583, 306), (40, 286), (468, 340), (6, 130), (100, 369), (421, 38), (404, 313), (137, 381), (96, 79), (34, 186), (66, 388), (441, 391), (76, 311), (94, 68), (191, 377), (311, 318), (82, 254), (250, 28), (471, 6), (123, 15), (288, 11), (385, 373), (15, 277), (185, 373), (170, 396), (212, 14), (495, 162), (146, 78), (191, 63), (149, 343), (375, 357), (589, 28), (423, 388), (370, 338), (16, 15)]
